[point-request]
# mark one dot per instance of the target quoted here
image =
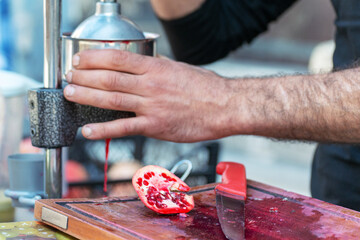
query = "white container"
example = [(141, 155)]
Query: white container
[(13, 88)]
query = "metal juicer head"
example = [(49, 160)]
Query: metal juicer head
[(108, 24)]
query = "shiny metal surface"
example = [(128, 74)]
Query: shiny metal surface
[(71, 46), (55, 218), (52, 43), (231, 212), (53, 173), (52, 79), (108, 24)]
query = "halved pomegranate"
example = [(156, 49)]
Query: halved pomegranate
[(162, 191)]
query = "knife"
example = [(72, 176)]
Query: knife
[(230, 199)]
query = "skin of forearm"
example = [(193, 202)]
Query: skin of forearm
[(182, 103), (324, 108), (173, 9)]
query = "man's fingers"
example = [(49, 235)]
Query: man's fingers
[(102, 99), (111, 59), (105, 80), (115, 129)]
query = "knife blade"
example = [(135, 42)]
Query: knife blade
[(230, 199)]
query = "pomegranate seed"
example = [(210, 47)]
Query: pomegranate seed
[(158, 204), (164, 175), (146, 183), (151, 189), (149, 175), (139, 181), (182, 206), (152, 173)]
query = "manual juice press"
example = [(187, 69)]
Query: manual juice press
[(54, 121)]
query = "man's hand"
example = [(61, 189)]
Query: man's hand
[(172, 101)]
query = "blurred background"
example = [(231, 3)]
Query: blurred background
[(299, 42)]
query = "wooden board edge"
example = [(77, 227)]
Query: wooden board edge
[(86, 231)]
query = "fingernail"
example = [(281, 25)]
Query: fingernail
[(76, 60), (69, 91), (87, 131), (69, 77)]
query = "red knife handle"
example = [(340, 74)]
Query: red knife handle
[(233, 178)]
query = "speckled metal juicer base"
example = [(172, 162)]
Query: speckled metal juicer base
[(54, 121)]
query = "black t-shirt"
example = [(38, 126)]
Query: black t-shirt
[(220, 26)]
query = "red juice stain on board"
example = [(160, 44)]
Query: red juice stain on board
[(107, 144), (200, 223), (279, 218)]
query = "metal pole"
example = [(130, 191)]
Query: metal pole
[(52, 79), (53, 173)]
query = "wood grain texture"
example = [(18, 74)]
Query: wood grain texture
[(271, 213)]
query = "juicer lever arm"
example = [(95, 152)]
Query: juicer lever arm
[(54, 121)]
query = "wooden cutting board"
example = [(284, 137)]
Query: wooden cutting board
[(271, 213)]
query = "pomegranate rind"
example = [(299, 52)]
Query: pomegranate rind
[(162, 191)]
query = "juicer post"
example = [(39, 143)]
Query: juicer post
[(52, 79)]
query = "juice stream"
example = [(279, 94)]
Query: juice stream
[(107, 144)]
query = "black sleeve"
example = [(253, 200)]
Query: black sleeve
[(220, 26)]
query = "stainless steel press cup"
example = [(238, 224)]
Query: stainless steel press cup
[(107, 29)]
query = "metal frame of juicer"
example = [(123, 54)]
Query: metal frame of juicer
[(52, 79)]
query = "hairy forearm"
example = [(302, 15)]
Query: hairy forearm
[(173, 9), (178, 102), (323, 108)]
